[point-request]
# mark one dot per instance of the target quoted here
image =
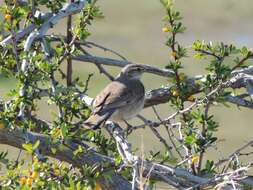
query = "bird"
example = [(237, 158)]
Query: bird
[(122, 99)]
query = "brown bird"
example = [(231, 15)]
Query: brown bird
[(122, 99)]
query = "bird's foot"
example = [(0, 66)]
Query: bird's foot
[(129, 129)]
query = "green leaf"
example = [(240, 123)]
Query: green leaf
[(190, 140), (118, 160), (53, 150), (244, 51), (72, 185), (78, 150), (167, 3), (198, 56), (36, 145), (28, 147), (197, 45)]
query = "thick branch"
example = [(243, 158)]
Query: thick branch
[(174, 176), (239, 80), (17, 137), (163, 95), (168, 174)]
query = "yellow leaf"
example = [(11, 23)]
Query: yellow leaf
[(22, 180), (97, 187), (191, 98), (175, 93), (29, 181), (166, 29), (34, 175), (57, 172), (8, 16), (173, 54), (2, 126), (181, 76), (198, 56), (195, 159)]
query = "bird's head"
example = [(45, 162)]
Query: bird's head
[(134, 71)]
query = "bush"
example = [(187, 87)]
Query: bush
[(66, 156)]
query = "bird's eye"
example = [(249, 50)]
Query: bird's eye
[(138, 69)]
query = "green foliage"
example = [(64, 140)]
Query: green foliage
[(53, 5), (197, 126), (29, 147), (43, 80), (89, 13), (41, 175), (42, 76)]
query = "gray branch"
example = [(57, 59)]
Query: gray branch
[(17, 137), (118, 63), (179, 178), (22, 33), (68, 9)]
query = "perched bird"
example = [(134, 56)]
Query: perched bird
[(122, 99)]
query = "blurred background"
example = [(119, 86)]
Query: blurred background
[(134, 29)]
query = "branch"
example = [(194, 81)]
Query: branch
[(237, 151), (176, 177), (239, 101), (22, 33), (22, 2), (17, 137), (67, 10), (118, 63), (86, 43), (239, 79)]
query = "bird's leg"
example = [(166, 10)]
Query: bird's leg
[(129, 128)]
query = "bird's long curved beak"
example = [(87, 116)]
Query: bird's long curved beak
[(157, 71)]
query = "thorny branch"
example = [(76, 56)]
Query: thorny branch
[(174, 176), (168, 121)]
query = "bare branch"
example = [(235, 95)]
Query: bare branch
[(237, 151), (103, 48), (118, 63), (157, 134)]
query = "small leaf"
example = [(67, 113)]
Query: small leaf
[(53, 150), (78, 150), (36, 145), (198, 56), (97, 187), (28, 147), (78, 185), (195, 159), (189, 140), (244, 51)]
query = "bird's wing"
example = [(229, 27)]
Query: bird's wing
[(114, 95)]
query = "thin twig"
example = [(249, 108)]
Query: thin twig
[(237, 151), (69, 59), (203, 133), (169, 134), (157, 134), (105, 49)]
